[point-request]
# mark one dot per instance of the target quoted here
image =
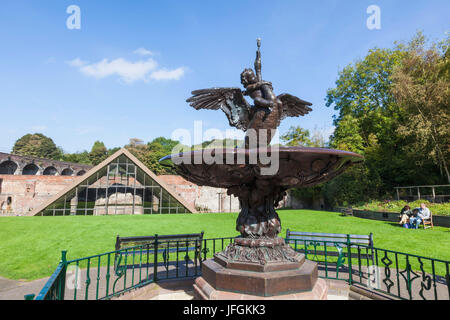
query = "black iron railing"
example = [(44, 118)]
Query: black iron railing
[(400, 275)]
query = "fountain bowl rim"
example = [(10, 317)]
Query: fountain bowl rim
[(355, 157)]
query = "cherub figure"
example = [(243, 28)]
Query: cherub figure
[(259, 121)]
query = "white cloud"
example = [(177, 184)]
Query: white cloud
[(144, 52), (164, 74), (77, 62), (128, 71)]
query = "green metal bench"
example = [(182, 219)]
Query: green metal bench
[(151, 245), (336, 240)]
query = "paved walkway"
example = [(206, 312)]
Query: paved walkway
[(16, 290)]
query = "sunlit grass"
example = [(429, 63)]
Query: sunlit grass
[(31, 246)]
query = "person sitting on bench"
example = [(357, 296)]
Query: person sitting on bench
[(424, 213), (405, 214)]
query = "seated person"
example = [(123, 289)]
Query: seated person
[(404, 216), (422, 213)]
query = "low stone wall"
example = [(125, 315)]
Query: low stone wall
[(439, 221), (358, 292)]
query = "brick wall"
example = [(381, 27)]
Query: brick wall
[(28, 192), (203, 198)]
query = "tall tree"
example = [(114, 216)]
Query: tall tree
[(367, 123), (98, 153), (37, 145), (388, 103), (422, 88)]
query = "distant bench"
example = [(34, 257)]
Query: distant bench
[(336, 240), (428, 222), (346, 211), (165, 244)]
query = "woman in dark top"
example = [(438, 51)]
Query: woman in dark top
[(405, 214)]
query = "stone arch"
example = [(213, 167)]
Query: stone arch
[(81, 172), (67, 172), (50, 171), (8, 167), (30, 170)]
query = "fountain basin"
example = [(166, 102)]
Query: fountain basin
[(297, 166), (259, 264)]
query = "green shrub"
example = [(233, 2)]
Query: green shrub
[(439, 209)]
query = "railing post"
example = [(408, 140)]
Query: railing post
[(349, 250), (155, 259), (62, 281)]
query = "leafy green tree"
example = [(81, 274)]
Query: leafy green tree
[(37, 145), (77, 157), (366, 124), (377, 99), (98, 153), (166, 144), (422, 88), (297, 136), (151, 153)]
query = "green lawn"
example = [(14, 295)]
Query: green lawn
[(30, 246)]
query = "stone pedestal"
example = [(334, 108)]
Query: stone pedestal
[(275, 271)]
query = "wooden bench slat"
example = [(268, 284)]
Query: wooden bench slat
[(164, 236), (183, 240), (151, 251), (330, 241), (162, 244), (328, 238), (334, 235), (310, 253), (337, 241)]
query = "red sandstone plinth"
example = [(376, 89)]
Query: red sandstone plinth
[(230, 281)]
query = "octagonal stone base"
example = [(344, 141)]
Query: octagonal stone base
[(286, 281), (204, 291)]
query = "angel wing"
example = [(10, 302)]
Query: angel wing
[(293, 106), (230, 100)]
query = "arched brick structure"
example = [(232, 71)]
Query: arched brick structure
[(30, 170), (67, 172), (50, 171), (15, 164), (8, 167)]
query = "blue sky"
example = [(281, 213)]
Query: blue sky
[(129, 69)]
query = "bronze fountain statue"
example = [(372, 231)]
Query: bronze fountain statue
[(259, 263), (267, 112)]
